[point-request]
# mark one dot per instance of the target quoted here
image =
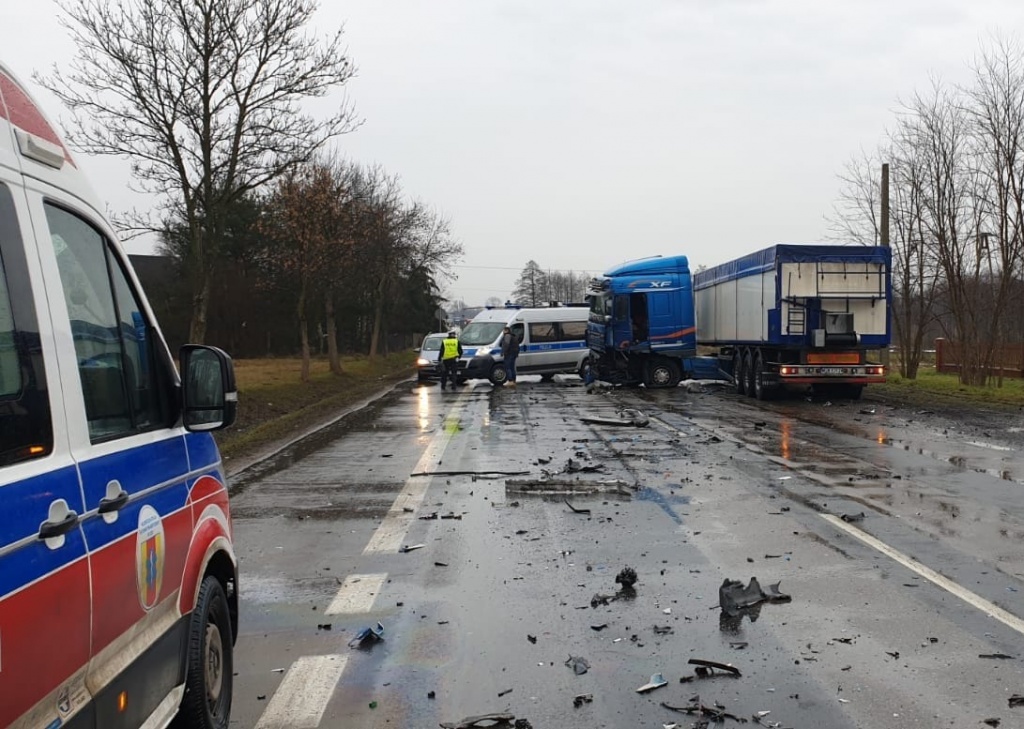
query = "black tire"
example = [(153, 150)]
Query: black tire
[(547, 378), (208, 678), (660, 373), (760, 391), (737, 372), (748, 375), (584, 370), (853, 392), (498, 374)]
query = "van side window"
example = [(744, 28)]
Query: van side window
[(123, 381), (543, 332), (26, 430), (574, 330)]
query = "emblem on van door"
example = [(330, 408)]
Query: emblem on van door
[(149, 556)]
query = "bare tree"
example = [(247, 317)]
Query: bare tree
[(204, 98)]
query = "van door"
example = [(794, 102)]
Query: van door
[(132, 462), (44, 567)]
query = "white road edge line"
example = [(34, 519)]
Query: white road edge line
[(392, 530), (356, 594), (301, 699), (971, 598)]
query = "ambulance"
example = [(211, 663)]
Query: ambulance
[(118, 579)]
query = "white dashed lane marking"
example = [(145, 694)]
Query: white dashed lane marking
[(356, 594), (301, 699)]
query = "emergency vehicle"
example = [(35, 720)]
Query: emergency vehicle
[(118, 580)]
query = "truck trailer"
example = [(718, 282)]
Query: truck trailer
[(786, 316)]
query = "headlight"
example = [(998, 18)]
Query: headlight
[(422, 362)]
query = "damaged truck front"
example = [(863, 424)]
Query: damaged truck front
[(798, 316)]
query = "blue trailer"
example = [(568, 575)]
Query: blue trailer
[(798, 316), (789, 315)]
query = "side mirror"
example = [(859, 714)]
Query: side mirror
[(209, 394)]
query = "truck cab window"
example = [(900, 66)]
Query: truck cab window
[(26, 430), (123, 380)]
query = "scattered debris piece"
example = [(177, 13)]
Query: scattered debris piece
[(578, 701), (575, 510), (733, 596), (629, 417), (851, 518), (626, 577), (893, 654), (1001, 656), (1016, 700), (468, 473), (543, 461), (429, 517), (574, 466), (600, 627), (867, 411), (411, 547), (440, 564), (323, 626), (663, 630), (531, 638), (738, 645), (452, 515), (716, 714), (578, 664), (431, 695), (656, 682), (551, 486), (711, 666), (504, 693), (993, 721), (599, 599), (367, 637), (470, 722)]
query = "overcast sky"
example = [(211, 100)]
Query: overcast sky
[(582, 133)]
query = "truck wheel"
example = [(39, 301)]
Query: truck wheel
[(760, 391), (661, 372), (498, 374), (585, 369), (737, 372), (208, 681), (748, 376)]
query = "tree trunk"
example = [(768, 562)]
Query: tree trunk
[(378, 320), (303, 333), (332, 335), (200, 301)]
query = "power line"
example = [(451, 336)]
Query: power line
[(513, 268)]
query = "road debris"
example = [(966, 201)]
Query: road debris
[(367, 637), (851, 518), (578, 664), (574, 466), (558, 486), (506, 692), (531, 638), (1016, 700), (993, 721), (488, 720), (716, 714), (656, 682), (579, 700), (663, 630), (575, 510), (411, 547), (629, 417), (600, 627), (1001, 656), (468, 473), (626, 577), (733, 597), (706, 669)]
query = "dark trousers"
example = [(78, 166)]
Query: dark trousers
[(449, 368)]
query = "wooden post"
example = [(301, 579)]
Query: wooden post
[(939, 354)]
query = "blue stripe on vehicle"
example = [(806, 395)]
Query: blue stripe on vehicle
[(202, 450), (554, 346)]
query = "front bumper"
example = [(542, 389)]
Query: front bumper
[(476, 368)]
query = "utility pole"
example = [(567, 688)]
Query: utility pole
[(885, 243)]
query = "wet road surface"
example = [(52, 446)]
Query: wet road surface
[(889, 618)]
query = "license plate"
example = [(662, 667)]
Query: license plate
[(833, 371)]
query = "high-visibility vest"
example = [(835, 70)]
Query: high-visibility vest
[(451, 349)]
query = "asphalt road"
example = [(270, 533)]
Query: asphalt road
[(889, 624)]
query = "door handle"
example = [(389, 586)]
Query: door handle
[(113, 503), (51, 529)]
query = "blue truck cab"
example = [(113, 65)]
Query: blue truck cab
[(641, 327)]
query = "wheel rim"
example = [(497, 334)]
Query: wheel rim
[(213, 664), (661, 376), (738, 373), (499, 375)]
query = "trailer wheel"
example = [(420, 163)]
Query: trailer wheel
[(760, 391), (661, 372), (737, 372), (748, 376)]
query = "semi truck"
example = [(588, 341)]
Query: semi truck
[(784, 317)]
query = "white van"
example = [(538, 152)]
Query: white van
[(118, 578), (552, 340)]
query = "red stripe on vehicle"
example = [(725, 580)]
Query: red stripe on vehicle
[(22, 112)]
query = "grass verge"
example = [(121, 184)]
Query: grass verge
[(273, 404), (930, 386)]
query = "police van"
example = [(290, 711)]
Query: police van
[(552, 340), (118, 579)]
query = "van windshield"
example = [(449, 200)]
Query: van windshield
[(432, 344), (480, 333)]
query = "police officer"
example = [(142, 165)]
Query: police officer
[(451, 350)]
